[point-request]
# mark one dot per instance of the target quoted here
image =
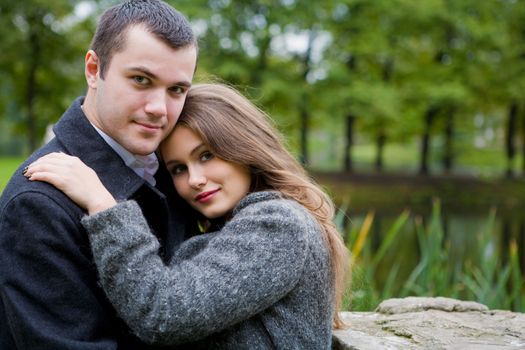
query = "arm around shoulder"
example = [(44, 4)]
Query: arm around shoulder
[(214, 281)]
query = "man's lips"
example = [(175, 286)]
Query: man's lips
[(205, 196), (149, 126)]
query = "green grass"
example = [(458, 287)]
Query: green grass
[(326, 155), (8, 165)]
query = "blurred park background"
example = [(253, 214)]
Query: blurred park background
[(411, 113)]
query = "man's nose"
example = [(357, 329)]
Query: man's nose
[(156, 104)]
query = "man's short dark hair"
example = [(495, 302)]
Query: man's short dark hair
[(159, 18)]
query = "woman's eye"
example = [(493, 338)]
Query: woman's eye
[(178, 169), (206, 156)]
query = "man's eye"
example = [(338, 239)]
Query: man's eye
[(141, 80), (206, 156), (178, 90)]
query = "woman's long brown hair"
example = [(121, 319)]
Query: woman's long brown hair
[(239, 132)]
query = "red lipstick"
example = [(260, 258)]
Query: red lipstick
[(205, 196)]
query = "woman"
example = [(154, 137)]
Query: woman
[(268, 271)]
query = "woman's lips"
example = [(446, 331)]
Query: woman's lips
[(205, 196)]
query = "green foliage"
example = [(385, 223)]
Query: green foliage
[(490, 282), (385, 62), (487, 279), (365, 292), (432, 275), (41, 65)]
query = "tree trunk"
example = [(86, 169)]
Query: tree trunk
[(348, 163), (448, 156), (34, 59), (304, 114), (425, 140), (262, 62), (305, 119), (523, 144), (388, 68), (510, 135), (381, 140), (521, 246)]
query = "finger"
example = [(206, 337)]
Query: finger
[(48, 177), (47, 166), (61, 156), (47, 159), (55, 158)]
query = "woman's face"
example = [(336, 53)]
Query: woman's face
[(209, 184)]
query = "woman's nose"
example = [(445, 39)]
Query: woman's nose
[(196, 179)]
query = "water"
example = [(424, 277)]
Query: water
[(469, 239)]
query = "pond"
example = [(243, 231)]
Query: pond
[(471, 240)]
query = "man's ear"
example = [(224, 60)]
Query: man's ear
[(92, 67)]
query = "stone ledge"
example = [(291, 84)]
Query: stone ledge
[(431, 323)]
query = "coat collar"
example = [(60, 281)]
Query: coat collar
[(78, 137)]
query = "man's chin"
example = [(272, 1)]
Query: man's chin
[(144, 150)]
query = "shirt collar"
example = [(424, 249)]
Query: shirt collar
[(143, 166)]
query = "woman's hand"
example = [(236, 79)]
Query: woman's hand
[(70, 175)]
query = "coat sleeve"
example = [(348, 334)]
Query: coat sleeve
[(48, 288), (212, 282)]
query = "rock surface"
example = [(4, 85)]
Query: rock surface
[(431, 323)]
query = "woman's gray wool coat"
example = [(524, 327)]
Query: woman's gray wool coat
[(262, 282)]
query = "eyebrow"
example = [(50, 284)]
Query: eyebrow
[(192, 152), (196, 149), (153, 76)]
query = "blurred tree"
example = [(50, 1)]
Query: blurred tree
[(43, 45), (408, 57), (429, 77), (383, 45), (255, 44), (379, 71), (510, 72)]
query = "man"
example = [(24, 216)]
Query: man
[(138, 71)]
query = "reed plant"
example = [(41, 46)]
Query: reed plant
[(486, 278)]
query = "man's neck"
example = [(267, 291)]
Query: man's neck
[(88, 107)]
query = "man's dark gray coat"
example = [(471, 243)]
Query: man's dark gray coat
[(50, 297)]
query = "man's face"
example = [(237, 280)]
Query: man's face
[(142, 94)]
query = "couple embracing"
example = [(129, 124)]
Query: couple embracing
[(164, 213)]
